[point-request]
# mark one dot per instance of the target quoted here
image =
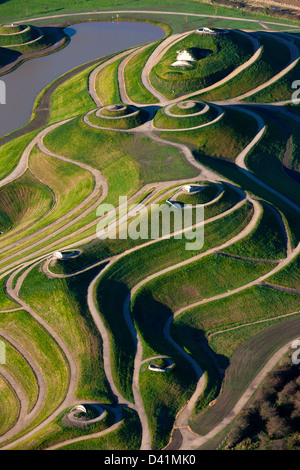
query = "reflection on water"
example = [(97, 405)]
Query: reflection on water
[(88, 41)]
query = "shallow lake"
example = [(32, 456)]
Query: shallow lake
[(88, 41)]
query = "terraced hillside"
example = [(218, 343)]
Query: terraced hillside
[(19, 42), (118, 339)]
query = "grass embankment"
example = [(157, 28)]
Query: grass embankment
[(14, 10), (107, 85), (218, 142), (47, 355), (12, 29), (129, 121), (252, 304), (24, 202), (120, 169), (164, 394), (31, 39), (184, 109), (63, 306), (224, 54), (117, 110), (164, 121), (9, 406), (224, 344), (207, 277), (288, 276), (232, 172), (274, 57), (46, 39), (101, 249), (191, 328), (126, 437), (207, 194), (28, 34), (270, 153)]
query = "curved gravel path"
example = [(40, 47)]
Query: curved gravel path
[(189, 439)]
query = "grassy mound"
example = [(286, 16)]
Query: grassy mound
[(126, 118), (101, 249), (71, 309), (212, 275), (186, 107), (224, 54), (275, 56), (117, 110), (29, 33), (59, 431), (266, 241)]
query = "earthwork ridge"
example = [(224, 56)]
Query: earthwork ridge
[(95, 311)]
